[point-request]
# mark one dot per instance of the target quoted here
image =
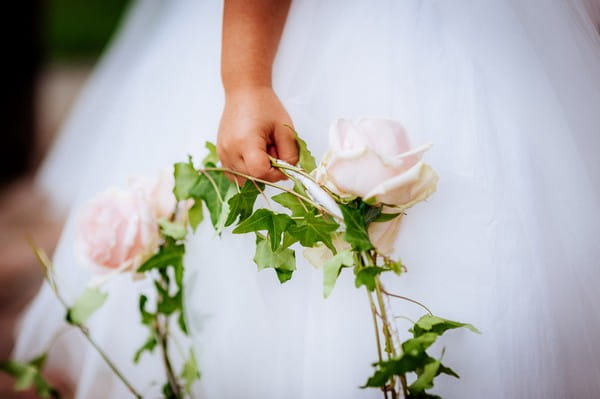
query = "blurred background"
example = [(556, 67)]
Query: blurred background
[(57, 45)]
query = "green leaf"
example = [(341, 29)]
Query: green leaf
[(182, 324), (386, 217), (305, 158), (437, 325), (148, 346), (416, 346), (190, 372), (212, 188), (195, 214), (283, 260), (242, 203), (185, 178), (448, 371), (29, 375), (170, 254), (88, 302), (425, 380), (366, 276), (311, 230), (283, 275), (356, 229), (212, 159), (332, 269), (147, 317), (370, 213), (293, 203), (175, 230), (265, 220)]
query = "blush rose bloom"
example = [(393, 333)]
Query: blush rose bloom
[(373, 159), (118, 230)]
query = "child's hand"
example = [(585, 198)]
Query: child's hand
[(252, 127)]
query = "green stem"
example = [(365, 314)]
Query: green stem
[(106, 359), (268, 183), (84, 330)]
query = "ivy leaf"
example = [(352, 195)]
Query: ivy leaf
[(265, 220), (437, 325), (176, 231), (190, 372), (212, 159), (305, 158), (293, 203), (425, 379), (212, 188), (242, 203), (170, 254), (29, 375), (195, 214), (185, 177), (366, 276), (356, 229), (88, 302), (448, 371), (332, 269), (417, 345), (311, 230), (147, 317), (369, 212), (386, 217), (283, 260), (148, 346)]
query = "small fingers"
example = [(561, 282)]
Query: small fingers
[(285, 141), (258, 165)]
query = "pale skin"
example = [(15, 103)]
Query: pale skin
[(253, 122)]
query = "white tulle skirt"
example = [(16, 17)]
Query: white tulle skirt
[(508, 92)]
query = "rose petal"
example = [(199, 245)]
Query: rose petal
[(407, 189)]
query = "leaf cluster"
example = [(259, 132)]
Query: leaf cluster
[(29, 375), (415, 359)]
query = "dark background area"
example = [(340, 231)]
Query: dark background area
[(50, 49)]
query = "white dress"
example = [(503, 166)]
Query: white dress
[(508, 92)]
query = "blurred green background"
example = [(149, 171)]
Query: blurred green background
[(78, 30)]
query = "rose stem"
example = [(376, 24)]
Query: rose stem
[(84, 330), (268, 183)]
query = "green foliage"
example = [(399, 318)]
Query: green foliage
[(386, 217), (212, 159), (283, 260), (169, 254), (266, 220), (148, 346), (356, 228), (437, 325), (88, 302), (29, 374), (366, 276), (313, 229), (414, 357), (175, 230), (195, 214), (305, 159), (213, 189), (190, 372), (185, 177), (332, 269), (242, 204), (293, 203)]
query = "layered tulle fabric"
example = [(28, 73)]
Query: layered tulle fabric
[(508, 93)]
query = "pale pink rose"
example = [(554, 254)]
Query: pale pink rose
[(383, 235), (373, 159), (118, 230)]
